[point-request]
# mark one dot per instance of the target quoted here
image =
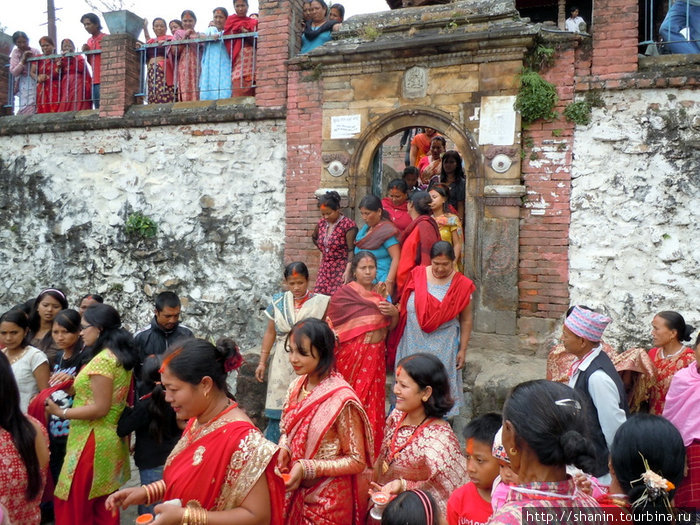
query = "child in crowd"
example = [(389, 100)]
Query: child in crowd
[(506, 475), (471, 503), (413, 507)]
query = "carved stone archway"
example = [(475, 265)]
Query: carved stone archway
[(360, 167)]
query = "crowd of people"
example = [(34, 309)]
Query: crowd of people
[(76, 386), (186, 64)]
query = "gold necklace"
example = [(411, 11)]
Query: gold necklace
[(13, 360)]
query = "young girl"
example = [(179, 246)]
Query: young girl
[(29, 364), (413, 507), (335, 237), (153, 421), (46, 306), (449, 224), (69, 360), (286, 309)]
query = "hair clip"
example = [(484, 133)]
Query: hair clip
[(426, 505), (655, 486), (570, 403)]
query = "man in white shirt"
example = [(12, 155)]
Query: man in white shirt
[(594, 377), (573, 23)]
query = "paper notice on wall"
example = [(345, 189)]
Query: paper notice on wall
[(497, 124), (345, 126)]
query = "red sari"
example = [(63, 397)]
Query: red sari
[(328, 433), (398, 214), (216, 465), (353, 315), (242, 52), (416, 241), (76, 85), (665, 369), (47, 92), (188, 67)]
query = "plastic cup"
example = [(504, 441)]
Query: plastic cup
[(144, 519)]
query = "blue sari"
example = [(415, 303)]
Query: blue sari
[(215, 79)]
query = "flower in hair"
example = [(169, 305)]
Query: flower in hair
[(233, 363), (655, 486)]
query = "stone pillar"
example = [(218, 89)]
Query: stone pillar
[(280, 22), (4, 85), (615, 38), (119, 76)]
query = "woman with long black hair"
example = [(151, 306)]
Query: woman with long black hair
[(97, 459), (24, 450)]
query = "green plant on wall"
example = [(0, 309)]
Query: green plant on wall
[(578, 112), (139, 225), (536, 98), (540, 57)]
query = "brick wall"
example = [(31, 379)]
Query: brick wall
[(615, 38), (119, 77), (280, 22), (304, 126), (545, 218), (4, 80)]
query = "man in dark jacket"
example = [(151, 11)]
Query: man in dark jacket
[(594, 377), (164, 330)]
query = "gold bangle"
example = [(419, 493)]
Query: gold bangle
[(403, 484), (186, 517)]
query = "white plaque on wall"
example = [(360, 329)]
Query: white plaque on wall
[(497, 122), (345, 126)]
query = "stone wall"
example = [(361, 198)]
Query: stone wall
[(215, 192), (635, 210)]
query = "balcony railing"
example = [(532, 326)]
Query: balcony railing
[(672, 33), (198, 69), (52, 84)]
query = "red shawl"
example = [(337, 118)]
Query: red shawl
[(375, 237), (234, 25), (219, 463), (430, 312), (416, 242), (353, 311), (398, 214)]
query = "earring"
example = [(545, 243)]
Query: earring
[(512, 451)]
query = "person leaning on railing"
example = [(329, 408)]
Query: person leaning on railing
[(76, 82), (24, 83), (187, 59), (47, 73), (682, 15), (242, 50), (215, 80), (159, 80)]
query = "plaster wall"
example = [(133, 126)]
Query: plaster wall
[(635, 211), (215, 191)]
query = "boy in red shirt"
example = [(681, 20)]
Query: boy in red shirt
[(471, 503)]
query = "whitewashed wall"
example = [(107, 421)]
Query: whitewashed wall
[(215, 191), (635, 224)]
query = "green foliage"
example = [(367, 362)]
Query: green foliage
[(578, 112), (315, 74), (139, 225), (595, 99), (536, 98), (370, 32), (541, 57), (451, 26), (557, 132)]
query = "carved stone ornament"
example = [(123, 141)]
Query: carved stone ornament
[(415, 82), (336, 168), (509, 151), (344, 158), (501, 163)]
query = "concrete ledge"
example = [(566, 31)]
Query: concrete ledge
[(138, 116)]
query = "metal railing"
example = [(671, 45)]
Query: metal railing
[(52, 84), (207, 68), (677, 33)]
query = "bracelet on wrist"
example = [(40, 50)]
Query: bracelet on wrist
[(65, 410)]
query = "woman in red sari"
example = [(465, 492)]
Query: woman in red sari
[(47, 73), (669, 355), (242, 50), (360, 317), (222, 469), (326, 439), (76, 84), (417, 239), (436, 316)]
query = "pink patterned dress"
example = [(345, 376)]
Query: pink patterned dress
[(334, 254), (13, 482)]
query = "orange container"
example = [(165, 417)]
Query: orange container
[(144, 519), (286, 477)]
